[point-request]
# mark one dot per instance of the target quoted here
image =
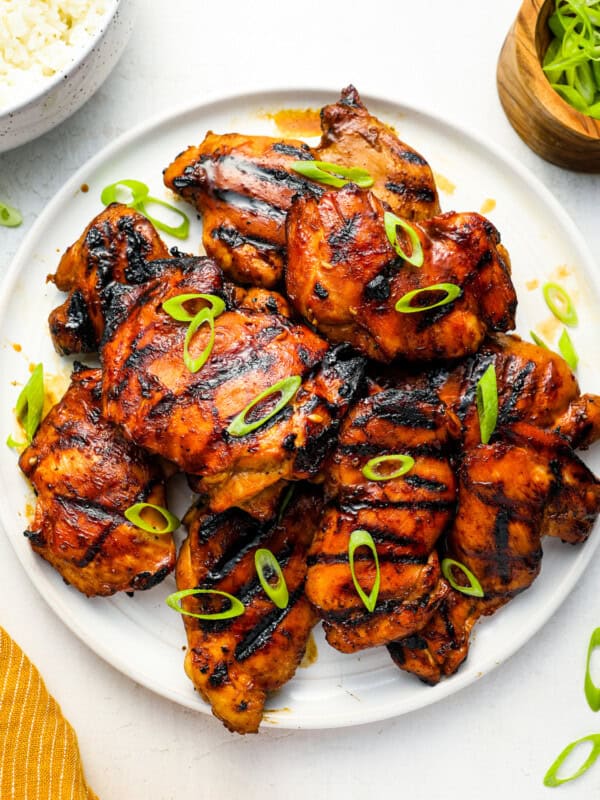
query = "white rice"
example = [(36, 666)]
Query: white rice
[(40, 38)]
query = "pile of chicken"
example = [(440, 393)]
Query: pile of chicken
[(309, 281)]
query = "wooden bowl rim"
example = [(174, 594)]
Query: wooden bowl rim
[(526, 27)]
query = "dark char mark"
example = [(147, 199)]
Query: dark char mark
[(78, 322), (302, 153), (259, 636), (234, 238), (410, 192), (384, 558)]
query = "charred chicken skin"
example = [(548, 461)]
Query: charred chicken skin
[(344, 276), (234, 663), (85, 475), (184, 416), (403, 180), (509, 497), (404, 515), (243, 187), (115, 246)]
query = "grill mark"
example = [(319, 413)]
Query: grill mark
[(354, 617), (419, 482), (274, 175), (384, 558), (302, 153), (432, 451), (411, 157), (233, 238), (251, 205), (408, 416), (501, 538), (475, 369), (260, 635), (411, 192), (416, 505), (342, 239), (506, 416)]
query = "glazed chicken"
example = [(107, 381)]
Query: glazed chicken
[(243, 187), (115, 246), (403, 180), (345, 278), (85, 475), (404, 515), (509, 496), (184, 416), (234, 663)]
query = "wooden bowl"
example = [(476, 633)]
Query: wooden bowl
[(545, 122)]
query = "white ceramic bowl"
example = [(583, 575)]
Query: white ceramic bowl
[(69, 89)]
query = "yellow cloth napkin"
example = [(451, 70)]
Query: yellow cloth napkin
[(39, 756)]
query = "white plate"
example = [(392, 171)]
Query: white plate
[(140, 636)]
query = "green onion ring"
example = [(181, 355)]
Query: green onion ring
[(538, 341), (236, 610), (565, 311), (567, 349), (550, 778), (362, 538), (10, 217), (195, 364), (392, 223), (139, 191), (592, 692), (175, 306), (486, 400), (12, 442), (134, 515), (30, 405), (180, 231), (473, 590), (288, 388), (452, 292), (333, 174), (370, 468), (278, 592)]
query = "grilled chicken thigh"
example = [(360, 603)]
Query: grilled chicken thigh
[(85, 475), (115, 246), (235, 662), (243, 186), (184, 416), (509, 496), (353, 137), (344, 276), (404, 515)]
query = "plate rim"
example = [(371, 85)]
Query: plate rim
[(58, 602)]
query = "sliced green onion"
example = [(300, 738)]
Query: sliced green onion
[(550, 778), (392, 223), (134, 515), (139, 191), (285, 501), (538, 341), (195, 364), (474, 588), (180, 231), (267, 566), (592, 692), (140, 200), (12, 442), (452, 292), (560, 304), (288, 388), (371, 472), (10, 217), (486, 399), (333, 174), (30, 405), (567, 349), (236, 609), (175, 306), (571, 96), (361, 538)]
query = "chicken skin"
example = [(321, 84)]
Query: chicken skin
[(243, 187), (404, 515), (185, 417), (403, 180), (345, 278), (234, 663), (115, 246), (509, 496), (85, 475)]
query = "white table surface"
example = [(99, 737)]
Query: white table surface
[(493, 740)]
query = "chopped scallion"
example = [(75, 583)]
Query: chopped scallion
[(537, 340), (267, 567), (371, 468), (592, 692), (567, 349), (203, 316), (140, 199), (30, 405), (551, 779), (404, 305), (560, 304), (392, 223), (361, 538), (287, 387), (486, 399), (474, 589), (333, 174), (10, 217), (134, 515), (175, 306), (236, 609)]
